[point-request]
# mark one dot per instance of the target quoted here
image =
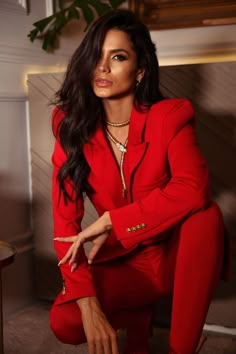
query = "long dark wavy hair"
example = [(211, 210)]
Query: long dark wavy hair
[(83, 110)]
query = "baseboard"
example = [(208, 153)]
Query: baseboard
[(210, 328), (220, 330)]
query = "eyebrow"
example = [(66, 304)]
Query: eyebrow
[(112, 51)]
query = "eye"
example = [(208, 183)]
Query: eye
[(119, 57)]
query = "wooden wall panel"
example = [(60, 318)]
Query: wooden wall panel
[(211, 88), (15, 202)]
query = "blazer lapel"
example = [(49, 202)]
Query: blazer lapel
[(104, 175), (136, 144)]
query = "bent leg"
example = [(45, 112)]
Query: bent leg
[(66, 323), (125, 288), (197, 272)]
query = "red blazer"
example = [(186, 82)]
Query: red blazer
[(166, 177)]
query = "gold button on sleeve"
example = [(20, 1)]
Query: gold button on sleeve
[(128, 229)]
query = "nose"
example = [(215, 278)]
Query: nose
[(103, 66)]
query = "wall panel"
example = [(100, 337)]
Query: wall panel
[(15, 220), (211, 89)]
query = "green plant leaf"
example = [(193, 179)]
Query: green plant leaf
[(60, 21), (115, 3), (33, 34), (88, 14), (51, 26), (73, 13), (49, 40), (100, 7), (42, 24)]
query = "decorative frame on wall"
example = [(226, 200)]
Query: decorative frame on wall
[(49, 5), (17, 6), (170, 14)]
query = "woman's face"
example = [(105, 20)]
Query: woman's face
[(116, 73)]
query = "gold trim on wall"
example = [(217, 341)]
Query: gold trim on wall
[(169, 14)]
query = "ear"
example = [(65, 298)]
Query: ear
[(140, 74)]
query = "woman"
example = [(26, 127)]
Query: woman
[(134, 154)]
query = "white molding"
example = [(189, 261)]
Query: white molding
[(49, 7), (24, 4), (198, 54), (12, 97), (29, 159), (15, 6), (173, 56), (220, 329), (29, 56), (195, 45)]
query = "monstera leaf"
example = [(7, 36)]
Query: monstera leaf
[(48, 29)]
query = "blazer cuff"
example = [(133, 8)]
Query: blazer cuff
[(127, 228), (73, 292)]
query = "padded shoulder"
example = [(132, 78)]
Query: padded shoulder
[(174, 113), (169, 106)]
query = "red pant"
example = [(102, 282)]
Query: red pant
[(188, 265)]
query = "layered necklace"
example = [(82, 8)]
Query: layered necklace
[(122, 148), (118, 144), (121, 124)]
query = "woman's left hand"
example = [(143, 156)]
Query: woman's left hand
[(97, 232)]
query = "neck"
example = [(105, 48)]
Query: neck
[(118, 111)]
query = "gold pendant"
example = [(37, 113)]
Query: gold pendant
[(121, 147)]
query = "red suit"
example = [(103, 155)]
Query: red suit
[(167, 237)]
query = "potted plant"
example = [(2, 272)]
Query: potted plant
[(49, 28)]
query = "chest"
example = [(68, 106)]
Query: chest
[(144, 167)]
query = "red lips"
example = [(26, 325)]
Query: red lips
[(100, 82)]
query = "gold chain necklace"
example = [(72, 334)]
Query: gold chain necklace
[(122, 148), (121, 124), (118, 144), (124, 188)]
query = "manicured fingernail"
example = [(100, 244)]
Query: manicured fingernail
[(59, 263), (73, 268)]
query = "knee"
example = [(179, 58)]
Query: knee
[(206, 226), (66, 326)]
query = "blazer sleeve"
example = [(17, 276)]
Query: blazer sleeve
[(67, 220), (186, 192)]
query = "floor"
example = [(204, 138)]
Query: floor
[(28, 332)]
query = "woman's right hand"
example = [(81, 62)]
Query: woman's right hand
[(101, 337)]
